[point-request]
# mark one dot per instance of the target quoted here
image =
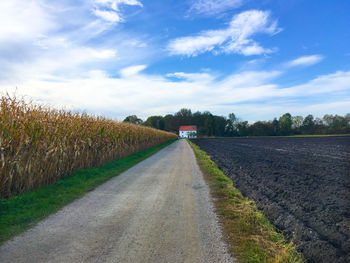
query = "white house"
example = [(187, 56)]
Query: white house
[(189, 131)]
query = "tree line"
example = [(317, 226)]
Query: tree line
[(212, 125)]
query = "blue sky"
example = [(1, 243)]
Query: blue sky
[(258, 59)]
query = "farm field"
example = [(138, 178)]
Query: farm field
[(301, 184), (40, 145)]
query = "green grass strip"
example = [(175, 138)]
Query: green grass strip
[(248, 233), (23, 211)]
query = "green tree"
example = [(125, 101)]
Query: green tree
[(297, 122), (184, 117), (133, 119), (242, 128), (347, 118), (214, 125), (275, 127), (328, 119), (285, 123), (208, 124), (231, 126), (170, 123), (339, 121), (308, 124), (220, 123), (156, 122)]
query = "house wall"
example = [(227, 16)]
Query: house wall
[(188, 134)]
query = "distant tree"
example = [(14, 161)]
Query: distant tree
[(156, 122), (214, 125), (285, 123), (219, 123), (184, 116), (318, 122), (170, 123), (347, 118), (232, 117), (319, 127), (231, 125), (328, 119), (133, 119), (185, 113), (308, 124), (275, 127), (197, 119), (260, 128), (208, 124), (297, 122), (339, 121), (242, 128)]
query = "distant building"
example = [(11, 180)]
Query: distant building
[(189, 131)]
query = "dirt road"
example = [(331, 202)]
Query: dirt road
[(157, 211)]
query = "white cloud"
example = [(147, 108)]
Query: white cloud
[(249, 78), (103, 54), (197, 77), (254, 49), (251, 95), (114, 4), (49, 51), (53, 58), (54, 39), (237, 38), (305, 61), (23, 20), (132, 70), (212, 7), (109, 16), (113, 14), (331, 83)]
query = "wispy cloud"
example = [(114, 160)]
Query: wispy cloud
[(330, 83), (110, 16), (51, 48), (109, 10), (103, 54), (252, 94), (23, 20), (132, 70), (305, 61), (195, 77), (55, 39), (213, 7), (114, 4), (236, 38)]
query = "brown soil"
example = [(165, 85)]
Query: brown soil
[(301, 184)]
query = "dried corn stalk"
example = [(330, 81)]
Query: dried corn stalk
[(39, 145)]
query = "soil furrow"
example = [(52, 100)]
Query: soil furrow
[(301, 184)]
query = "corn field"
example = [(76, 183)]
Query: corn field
[(39, 145)]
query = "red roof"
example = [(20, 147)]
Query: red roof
[(188, 128)]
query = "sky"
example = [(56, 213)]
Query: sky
[(256, 58)]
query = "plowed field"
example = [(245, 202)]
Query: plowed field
[(301, 184)]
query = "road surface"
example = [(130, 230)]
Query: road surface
[(157, 211)]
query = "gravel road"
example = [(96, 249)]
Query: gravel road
[(157, 211)]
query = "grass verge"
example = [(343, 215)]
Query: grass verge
[(250, 236), (21, 212)]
